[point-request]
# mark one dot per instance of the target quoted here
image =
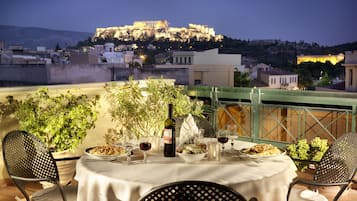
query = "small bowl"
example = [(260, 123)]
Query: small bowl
[(190, 158)]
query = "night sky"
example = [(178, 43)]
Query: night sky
[(326, 22)]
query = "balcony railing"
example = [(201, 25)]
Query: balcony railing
[(280, 116), (260, 115)]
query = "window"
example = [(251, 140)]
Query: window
[(185, 60), (189, 60), (176, 60), (198, 82), (351, 77), (180, 60)]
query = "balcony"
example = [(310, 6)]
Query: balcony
[(261, 115)]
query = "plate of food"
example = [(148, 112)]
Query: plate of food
[(192, 152), (105, 152), (261, 151)]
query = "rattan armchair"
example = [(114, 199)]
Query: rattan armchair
[(336, 168), (27, 159), (193, 190)]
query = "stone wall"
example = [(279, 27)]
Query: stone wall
[(181, 75), (31, 74), (83, 73)]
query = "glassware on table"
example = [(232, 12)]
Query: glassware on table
[(129, 147), (145, 145), (222, 137), (213, 151), (232, 128), (199, 136)]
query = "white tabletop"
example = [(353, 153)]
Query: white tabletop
[(266, 179)]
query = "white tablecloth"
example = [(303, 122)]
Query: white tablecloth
[(266, 179)]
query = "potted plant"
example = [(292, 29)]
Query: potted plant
[(140, 108), (306, 154), (60, 121)]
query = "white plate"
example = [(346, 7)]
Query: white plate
[(254, 156), (312, 195), (102, 157)]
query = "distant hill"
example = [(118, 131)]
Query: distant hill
[(31, 37)]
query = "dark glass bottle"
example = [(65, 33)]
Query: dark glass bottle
[(169, 135)]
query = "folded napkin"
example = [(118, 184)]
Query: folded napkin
[(188, 130)]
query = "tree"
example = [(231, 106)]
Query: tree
[(241, 79), (57, 47), (325, 80)]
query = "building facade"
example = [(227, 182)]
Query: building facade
[(351, 71), (279, 79), (207, 67)]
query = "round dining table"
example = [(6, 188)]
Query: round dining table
[(266, 179)]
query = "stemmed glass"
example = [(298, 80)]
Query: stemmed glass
[(145, 145), (232, 128), (222, 137), (129, 147)]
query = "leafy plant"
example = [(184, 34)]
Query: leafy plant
[(139, 110), (59, 121), (8, 107), (302, 150)]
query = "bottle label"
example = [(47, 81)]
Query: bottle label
[(167, 136)]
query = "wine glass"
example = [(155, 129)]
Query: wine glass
[(232, 128), (145, 145), (222, 137), (129, 151), (199, 136)]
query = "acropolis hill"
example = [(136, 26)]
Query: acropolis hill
[(159, 30)]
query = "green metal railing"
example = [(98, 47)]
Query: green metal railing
[(281, 116), (261, 115)]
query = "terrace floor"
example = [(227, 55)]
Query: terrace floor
[(8, 193)]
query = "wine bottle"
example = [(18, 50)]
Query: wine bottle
[(169, 135)]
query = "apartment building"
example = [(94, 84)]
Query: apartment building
[(207, 67), (278, 79), (351, 71)]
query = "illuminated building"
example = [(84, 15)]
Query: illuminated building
[(333, 59), (160, 30)]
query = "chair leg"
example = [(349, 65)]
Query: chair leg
[(338, 195), (289, 190), (62, 192), (21, 186)]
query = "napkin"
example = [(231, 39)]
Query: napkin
[(188, 130)]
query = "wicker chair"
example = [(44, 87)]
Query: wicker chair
[(27, 159), (336, 168), (193, 190)]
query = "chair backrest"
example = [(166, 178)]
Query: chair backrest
[(339, 162), (25, 156), (192, 190)]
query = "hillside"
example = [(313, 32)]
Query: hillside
[(31, 37)]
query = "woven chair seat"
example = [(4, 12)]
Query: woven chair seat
[(192, 190)]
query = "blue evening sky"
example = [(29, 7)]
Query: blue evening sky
[(327, 22)]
